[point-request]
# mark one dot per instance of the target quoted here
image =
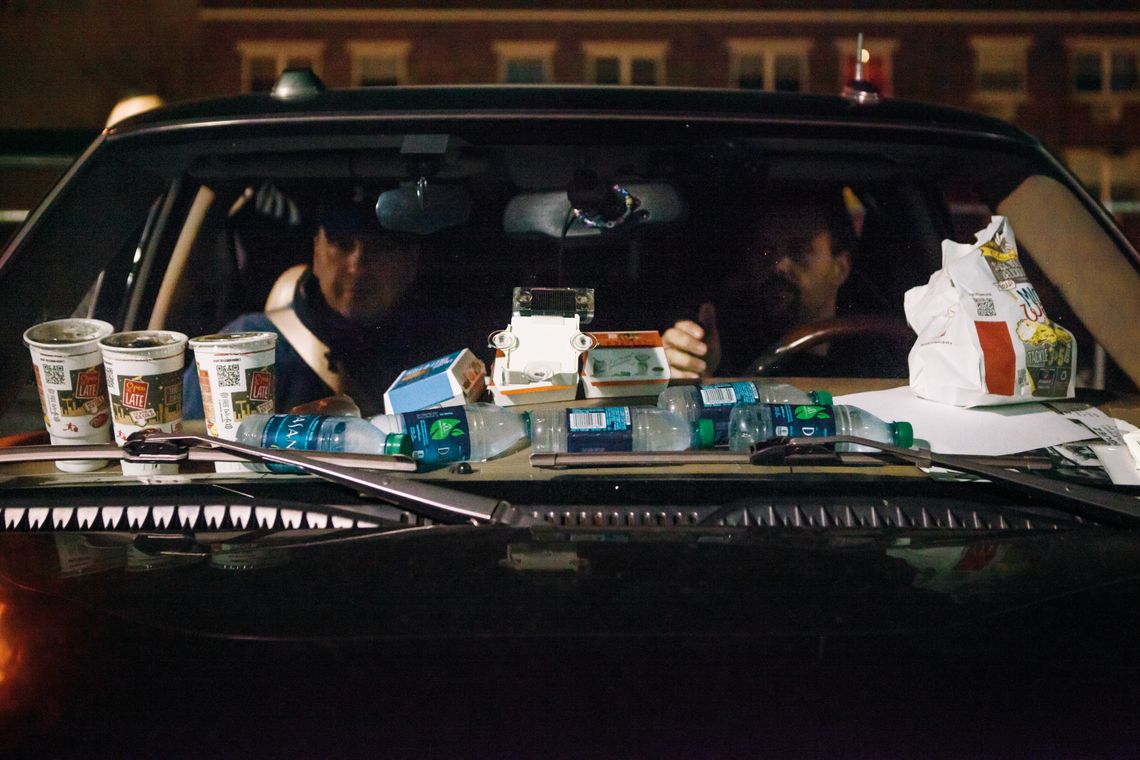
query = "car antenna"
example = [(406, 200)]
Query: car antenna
[(859, 90)]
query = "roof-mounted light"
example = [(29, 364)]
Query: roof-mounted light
[(859, 90), (294, 84)]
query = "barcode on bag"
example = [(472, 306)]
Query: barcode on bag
[(587, 420), (229, 375), (985, 306), (54, 374)]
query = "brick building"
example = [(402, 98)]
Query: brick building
[(1068, 72)]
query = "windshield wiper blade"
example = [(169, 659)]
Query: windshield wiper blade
[(426, 499), (436, 502), (1106, 507)]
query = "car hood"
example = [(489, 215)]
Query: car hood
[(396, 630)]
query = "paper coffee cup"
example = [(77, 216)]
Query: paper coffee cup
[(69, 377), (144, 383), (237, 375)]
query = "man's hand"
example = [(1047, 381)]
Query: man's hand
[(693, 348)]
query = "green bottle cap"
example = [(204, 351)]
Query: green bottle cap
[(902, 434), (822, 397), (706, 433), (397, 444)]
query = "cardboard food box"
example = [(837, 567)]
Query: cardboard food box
[(559, 387), (458, 378), (628, 363)]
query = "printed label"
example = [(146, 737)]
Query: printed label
[(1048, 356), (147, 401), (597, 430), (1000, 253), (802, 420), (439, 436), (239, 389), (290, 431), (718, 400), (73, 397)]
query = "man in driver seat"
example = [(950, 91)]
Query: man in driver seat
[(790, 274)]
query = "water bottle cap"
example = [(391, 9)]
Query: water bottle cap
[(397, 444), (822, 397), (903, 434), (706, 433)]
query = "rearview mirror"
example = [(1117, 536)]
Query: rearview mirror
[(547, 213), (423, 208)]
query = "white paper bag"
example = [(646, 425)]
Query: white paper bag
[(983, 336)]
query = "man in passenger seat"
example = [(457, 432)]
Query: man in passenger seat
[(346, 328)]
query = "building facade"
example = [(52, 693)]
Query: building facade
[(1066, 73)]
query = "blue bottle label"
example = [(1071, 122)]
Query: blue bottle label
[(718, 400), (290, 431), (802, 420), (607, 428), (439, 436)]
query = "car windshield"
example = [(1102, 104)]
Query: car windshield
[(594, 278)]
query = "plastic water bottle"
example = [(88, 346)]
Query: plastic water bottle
[(456, 433), (715, 401), (318, 432), (615, 428), (750, 423)]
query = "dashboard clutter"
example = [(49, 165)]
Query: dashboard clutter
[(537, 357), (631, 363), (454, 379), (983, 335)]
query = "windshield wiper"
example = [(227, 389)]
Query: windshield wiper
[(428, 500), (1105, 507)]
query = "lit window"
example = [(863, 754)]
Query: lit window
[(1114, 180), (635, 63), (1105, 72), (262, 61), (378, 63), (525, 61), (778, 64), (1001, 74), (878, 63), (1105, 67)]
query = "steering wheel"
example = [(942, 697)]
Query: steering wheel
[(892, 330)]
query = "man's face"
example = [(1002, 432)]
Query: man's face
[(792, 271), (364, 274)]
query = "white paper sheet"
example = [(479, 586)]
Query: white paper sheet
[(990, 430)]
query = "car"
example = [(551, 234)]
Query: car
[(186, 590)]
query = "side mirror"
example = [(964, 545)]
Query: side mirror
[(423, 208)]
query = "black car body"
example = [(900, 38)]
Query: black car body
[(630, 607)]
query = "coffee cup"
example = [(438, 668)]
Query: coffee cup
[(68, 364)]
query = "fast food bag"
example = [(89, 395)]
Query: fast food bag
[(983, 336)]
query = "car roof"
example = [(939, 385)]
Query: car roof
[(584, 101)]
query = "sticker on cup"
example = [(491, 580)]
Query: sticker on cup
[(237, 375), (68, 366), (144, 382)]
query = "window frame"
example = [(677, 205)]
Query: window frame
[(359, 50), (508, 50), (768, 49), (626, 51), (281, 51), (1001, 103)]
